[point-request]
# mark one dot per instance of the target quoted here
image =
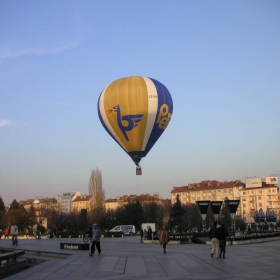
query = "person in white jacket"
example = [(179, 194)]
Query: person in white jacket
[(14, 233)]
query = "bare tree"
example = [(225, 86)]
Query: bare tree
[(96, 189)]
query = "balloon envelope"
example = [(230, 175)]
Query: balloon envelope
[(135, 111)]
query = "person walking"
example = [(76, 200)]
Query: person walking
[(163, 238), (96, 235), (214, 236), (6, 233), (149, 233), (27, 232), (145, 233), (14, 233), (141, 235), (223, 235)]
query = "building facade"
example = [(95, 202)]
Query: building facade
[(253, 197), (83, 202), (114, 203), (64, 201)]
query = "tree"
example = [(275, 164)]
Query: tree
[(154, 213), (32, 216), (96, 189), (192, 219), (177, 212), (130, 214), (2, 205), (18, 215), (2, 213)]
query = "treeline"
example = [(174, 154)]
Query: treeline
[(177, 217)]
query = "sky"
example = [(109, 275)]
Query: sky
[(220, 60)]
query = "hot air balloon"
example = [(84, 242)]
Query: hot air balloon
[(135, 111)]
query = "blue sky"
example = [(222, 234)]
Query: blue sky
[(220, 60)]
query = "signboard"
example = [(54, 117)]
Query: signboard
[(232, 206), (216, 207), (253, 183), (271, 180), (203, 206), (74, 246)]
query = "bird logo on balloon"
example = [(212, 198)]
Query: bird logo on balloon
[(127, 122)]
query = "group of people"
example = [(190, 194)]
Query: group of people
[(218, 235), (13, 231), (146, 234)]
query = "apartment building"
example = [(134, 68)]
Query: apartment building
[(114, 203), (64, 201), (41, 205), (253, 196), (82, 202)]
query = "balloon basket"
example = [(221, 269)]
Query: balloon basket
[(138, 171)]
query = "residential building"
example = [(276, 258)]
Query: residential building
[(252, 196), (82, 202), (41, 205), (64, 201), (113, 204)]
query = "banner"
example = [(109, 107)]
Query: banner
[(232, 205), (253, 183), (203, 206), (271, 180), (216, 207)]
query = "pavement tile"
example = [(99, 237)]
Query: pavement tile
[(126, 258)]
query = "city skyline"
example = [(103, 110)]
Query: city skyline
[(219, 60)]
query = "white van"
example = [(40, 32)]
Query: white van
[(126, 229)]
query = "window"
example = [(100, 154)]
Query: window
[(259, 197), (260, 191), (260, 204), (244, 205), (244, 192)]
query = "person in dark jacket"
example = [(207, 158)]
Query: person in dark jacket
[(213, 234), (96, 235), (141, 235), (223, 235)]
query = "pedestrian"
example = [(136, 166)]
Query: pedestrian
[(213, 234), (150, 233), (51, 233), (0, 233), (223, 236), (96, 235), (141, 235), (145, 233), (163, 238), (249, 229), (14, 233), (38, 232), (242, 228), (27, 232), (6, 233)]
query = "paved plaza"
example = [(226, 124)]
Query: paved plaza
[(127, 258)]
